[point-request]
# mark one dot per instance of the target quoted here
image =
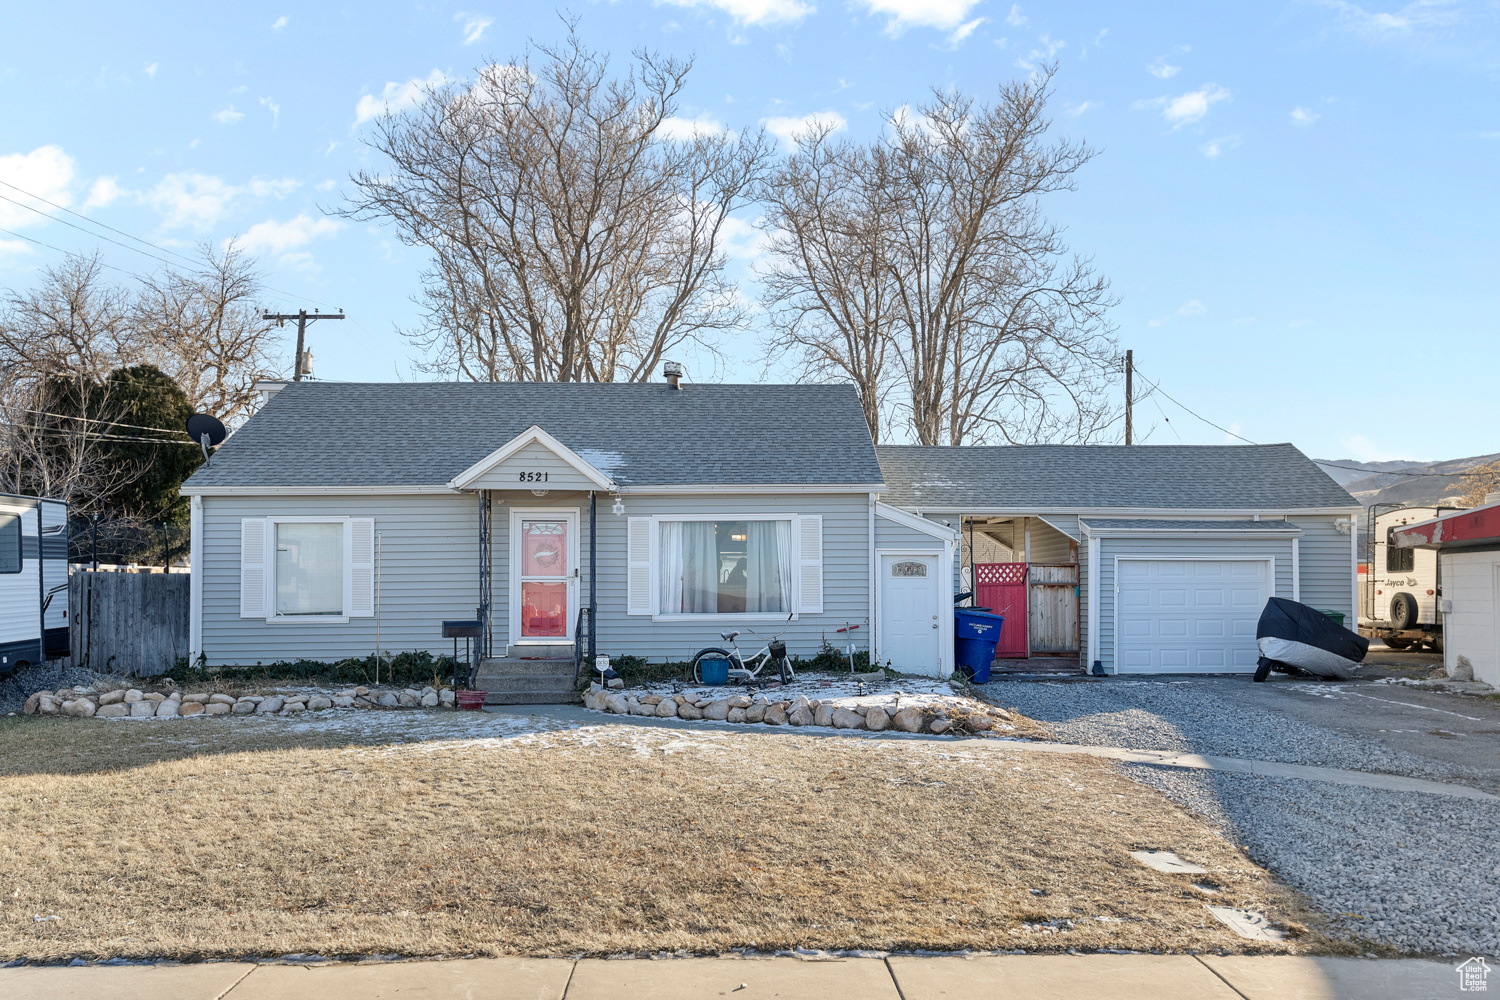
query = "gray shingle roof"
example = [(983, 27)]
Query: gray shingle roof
[(1105, 477), (425, 433), (1148, 524)]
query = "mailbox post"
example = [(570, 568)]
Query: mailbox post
[(467, 629)]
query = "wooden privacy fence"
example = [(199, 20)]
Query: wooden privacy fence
[(128, 623)]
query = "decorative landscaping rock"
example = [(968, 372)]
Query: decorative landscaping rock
[(387, 700), (687, 710), (801, 715), (740, 701), (877, 720), (133, 695), (940, 726), (142, 709), (736, 715), (168, 708), (81, 708), (110, 697), (114, 710), (269, 705), (188, 699), (908, 720), (409, 700), (191, 708), (718, 711), (243, 707), (667, 708), (823, 714), (776, 714), (756, 712), (844, 718), (428, 700)]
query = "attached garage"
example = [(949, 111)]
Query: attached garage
[(1190, 615), (1184, 596)]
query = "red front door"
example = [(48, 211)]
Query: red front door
[(1002, 587)]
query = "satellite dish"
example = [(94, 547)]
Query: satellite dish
[(200, 424), (207, 431)]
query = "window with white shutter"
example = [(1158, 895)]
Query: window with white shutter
[(253, 567), (362, 567), (639, 559), (810, 557)]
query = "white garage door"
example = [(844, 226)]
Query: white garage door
[(1189, 616)]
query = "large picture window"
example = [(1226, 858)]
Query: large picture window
[(725, 567), (309, 568), (10, 543)]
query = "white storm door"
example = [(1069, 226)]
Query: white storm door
[(909, 632), (543, 576), (1189, 616)]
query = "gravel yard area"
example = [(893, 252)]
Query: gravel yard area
[(1399, 868), (1410, 870), (1203, 715)]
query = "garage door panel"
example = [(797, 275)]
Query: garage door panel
[(1189, 616)]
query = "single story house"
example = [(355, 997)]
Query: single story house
[(647, 518), (1137, 559), (642, 518), (1467, 543)]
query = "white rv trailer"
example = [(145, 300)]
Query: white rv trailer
[(1401, 599), (33, 581)]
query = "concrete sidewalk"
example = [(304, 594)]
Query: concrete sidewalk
[(1034, 977)]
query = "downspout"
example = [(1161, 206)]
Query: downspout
[(195, 579), (593, 576), (874, 572)]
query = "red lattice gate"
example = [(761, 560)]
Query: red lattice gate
[(1001, 587)]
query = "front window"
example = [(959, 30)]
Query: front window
[(726, 567), (309, 568), (10, 543)]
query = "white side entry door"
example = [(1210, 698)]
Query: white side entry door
[(910, 635)]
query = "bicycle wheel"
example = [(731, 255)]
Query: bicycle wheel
[(712, 653), (784, 666)]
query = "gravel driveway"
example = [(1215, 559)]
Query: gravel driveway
[(1412, 870)]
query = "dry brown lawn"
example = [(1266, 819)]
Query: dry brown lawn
[(245, 838)]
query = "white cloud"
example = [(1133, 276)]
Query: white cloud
[(677, 129), (1213, 147), (1188, 108), (279, 23), (327, 185), (1304, 116), (15, 246), (742, 240), (102, 193), (1232, 436), (753, 12), (963, 31), (46, 172), (474, 25), (1015, 18), (787, 129), (397, 97), (272, 107), (228, 116), (199, 201), (947, 15), (1161, 70), (272, 237), (1047, 49), (1192, 307), (150, 69), (1077, 109)]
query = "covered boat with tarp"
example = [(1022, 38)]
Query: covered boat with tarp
[(1294, 635)]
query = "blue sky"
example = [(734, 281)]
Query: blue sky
[(1296, 202)]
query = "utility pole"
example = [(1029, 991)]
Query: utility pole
[(1129, 396), (302, 318)]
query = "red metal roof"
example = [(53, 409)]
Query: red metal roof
[(1461, 529)]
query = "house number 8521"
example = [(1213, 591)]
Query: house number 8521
[(533, 477)]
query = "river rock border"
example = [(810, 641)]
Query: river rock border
[(804, 711), (132, 703)]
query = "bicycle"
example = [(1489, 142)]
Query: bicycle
[(748, 672)]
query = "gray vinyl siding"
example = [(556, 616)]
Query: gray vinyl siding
[(1178, 548), (541, 464), (891, 535), (429, 569), (846, 571), (1083, 602), (1048, 545), (1327, 569)]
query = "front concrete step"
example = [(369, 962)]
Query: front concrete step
[(524, 683), (569, 697), (511, 667), (540, 651)]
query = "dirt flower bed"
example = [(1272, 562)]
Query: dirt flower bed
[(597, 840)]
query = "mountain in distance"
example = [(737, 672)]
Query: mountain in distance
[(1410, 483)]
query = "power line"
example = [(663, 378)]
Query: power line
[(93, 434), (95, 222), (279, 291), (99, 420), (1207, 421), (1394, 472), (49, 246)]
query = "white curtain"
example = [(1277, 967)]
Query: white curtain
[(689, 568), (768, 565), (671, 566), (309, 569)]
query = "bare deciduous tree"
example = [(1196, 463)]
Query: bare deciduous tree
[(828, 289), (997, 332), (72, 322), (205, 330), (572, 237)]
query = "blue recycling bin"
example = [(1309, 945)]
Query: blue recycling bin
[(976, 631)]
